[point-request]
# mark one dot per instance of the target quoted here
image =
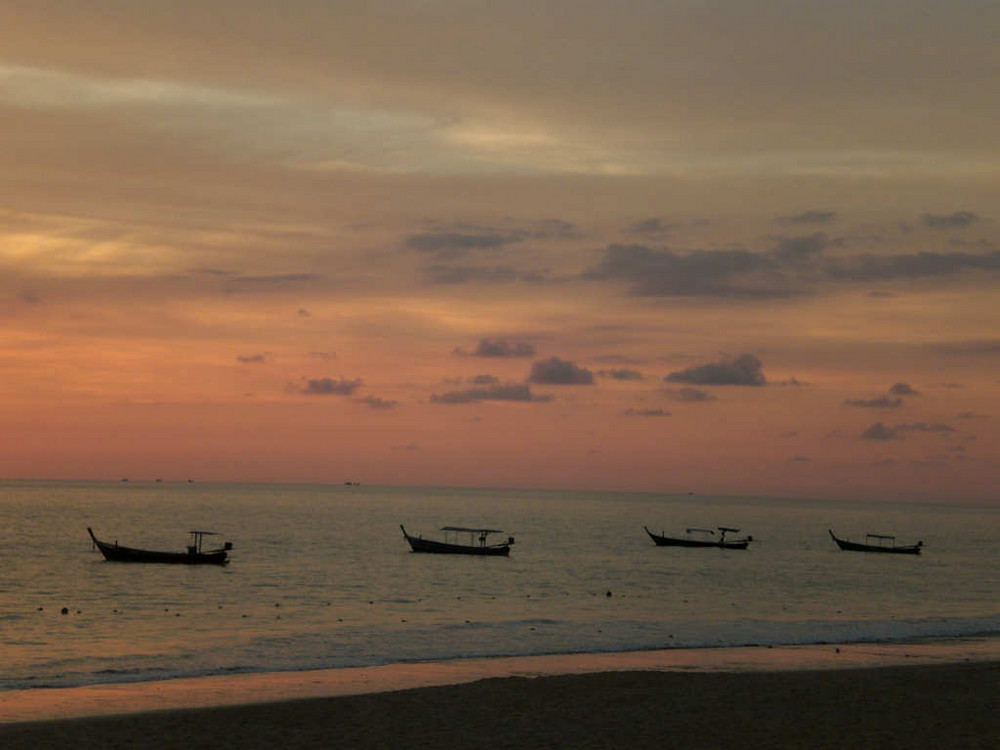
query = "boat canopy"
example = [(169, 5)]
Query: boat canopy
[(205, 533), (471, 531), (703, 531)]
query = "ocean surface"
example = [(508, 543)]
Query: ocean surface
[(321, 577)]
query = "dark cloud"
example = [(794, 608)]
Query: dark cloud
[(794, 265), (646, 413), (797, 249), (879, 431), (499, 348), (792, 382), (924, 427), (903, 389), (507, 392), (799, 460), (442, 274), (252, 359), (484, 379), (213, 272), (460, 240), (653, 227), (663, 273), (554, 229), (957, 220), (809, 217), (555, 371), (915, 265), (278, 279), (743, 370), (623, 374), (327, 387), (323, 355), (971, 415), (988, 346), (374, 402), (689, 395), (880, 402), (303, 313), (457, 244)]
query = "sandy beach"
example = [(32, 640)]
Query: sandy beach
[(815, 697), (936, 706)]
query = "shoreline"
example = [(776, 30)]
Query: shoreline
[(221, 691)]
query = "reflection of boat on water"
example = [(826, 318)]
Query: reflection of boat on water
[(883, 543), (701, 541), (195, 555), (477, 544)]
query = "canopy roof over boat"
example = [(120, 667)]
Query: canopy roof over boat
[(205, 533), (471, 531)]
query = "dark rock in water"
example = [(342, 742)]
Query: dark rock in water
[(65, 610)]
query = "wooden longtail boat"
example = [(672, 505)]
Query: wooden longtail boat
[(691, 541), (477, 544), (195, 555), (884, 543)]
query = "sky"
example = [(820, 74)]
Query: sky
[(727, 247)]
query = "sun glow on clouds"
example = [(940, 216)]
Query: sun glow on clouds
[(456, 203)]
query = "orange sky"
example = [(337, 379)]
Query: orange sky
[(738, 248)]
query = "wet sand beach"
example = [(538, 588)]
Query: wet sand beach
[(923, 705)]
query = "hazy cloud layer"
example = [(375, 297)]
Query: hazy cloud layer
[(646, 413), (689, 395), (742, 370)]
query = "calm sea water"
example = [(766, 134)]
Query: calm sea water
[(321, 577)]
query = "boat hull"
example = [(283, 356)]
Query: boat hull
[(844, 544), (117, 553), (419, 544), (672, 541)]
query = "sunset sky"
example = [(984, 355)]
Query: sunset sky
[(667, 245)]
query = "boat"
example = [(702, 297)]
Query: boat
[(195, 554), (478, 542), (690, 540), (881, 543)]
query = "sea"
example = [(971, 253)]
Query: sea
[(321, 578)]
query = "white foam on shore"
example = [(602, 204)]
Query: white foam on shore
[(127, 698)]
